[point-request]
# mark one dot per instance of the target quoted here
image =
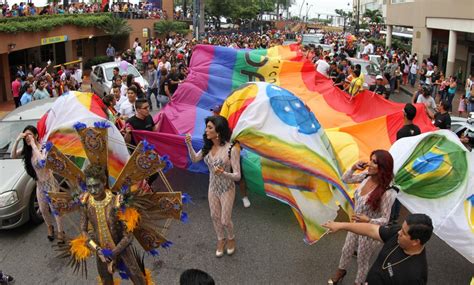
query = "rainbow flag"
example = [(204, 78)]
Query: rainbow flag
[(435, 174), (57, 124), (355, 127)]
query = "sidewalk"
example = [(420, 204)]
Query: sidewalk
[(408, 90), (6, 107)]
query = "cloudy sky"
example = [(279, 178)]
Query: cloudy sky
[(319, 6)]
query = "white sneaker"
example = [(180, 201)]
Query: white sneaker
[(246, 202)]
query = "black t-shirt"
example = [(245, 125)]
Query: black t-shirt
[(442, 121), (378, 89), (172, 86), (408, 131), (142, 125), (341, 77), (412, 270)]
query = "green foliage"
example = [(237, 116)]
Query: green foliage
[(116, 27), (96, 60), (243, 9), (46, 23), (375, 17), (166, 27)]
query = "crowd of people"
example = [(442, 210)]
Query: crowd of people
[(142, 10), (164, 63)]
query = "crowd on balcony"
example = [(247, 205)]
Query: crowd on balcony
[(143, 10)]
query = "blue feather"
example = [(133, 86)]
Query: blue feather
[(55, 213), (124, 188), (186, 198), (79, 126), (42, 163), (184, 217), (107, 252), (147, 146), (102, 125), (123, 275), (48, 146), (83, 186), (154, 252), (167, 244), (168, 163)]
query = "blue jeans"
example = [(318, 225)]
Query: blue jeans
[(412, 79), (148, 97)]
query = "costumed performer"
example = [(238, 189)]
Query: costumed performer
[(34, 155), (223, 160), (373, 201)]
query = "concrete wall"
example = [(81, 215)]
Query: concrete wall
[(413, 14)]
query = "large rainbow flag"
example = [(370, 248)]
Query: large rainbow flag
[(355, 127)]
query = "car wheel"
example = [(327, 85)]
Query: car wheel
[(35, 214)]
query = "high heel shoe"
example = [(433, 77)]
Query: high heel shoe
[(61, 237), (340, 273), (230, 246), (50, 233), (220, 248)]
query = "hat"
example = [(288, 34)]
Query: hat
[(410, 111), (379, 77), (363, 40)]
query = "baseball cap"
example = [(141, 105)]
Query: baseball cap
[(379, 77)]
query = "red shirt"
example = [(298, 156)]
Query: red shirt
[(16, 86)]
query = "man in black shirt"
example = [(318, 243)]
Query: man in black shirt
[(409, 129), (402, 259), (442, 119), (142, 120), (379, 88), (341, 77)]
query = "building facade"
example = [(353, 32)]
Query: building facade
[(442, 31)]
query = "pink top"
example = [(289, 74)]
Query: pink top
[(16, 86)]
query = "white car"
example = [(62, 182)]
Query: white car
[(101, 77), (464, 127), (18, 203)]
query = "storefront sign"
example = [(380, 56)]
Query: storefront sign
[(53, 40), (145, 32)]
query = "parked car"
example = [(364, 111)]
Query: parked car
[(18, 203), (101, 77), (370, 70), (464, 127), (314, 39)]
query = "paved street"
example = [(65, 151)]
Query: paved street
[(270, 249)]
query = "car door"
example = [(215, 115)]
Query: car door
[(97, 79)]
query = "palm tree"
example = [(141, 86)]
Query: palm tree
[(375, 16), (116, 28)]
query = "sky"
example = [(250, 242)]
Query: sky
[(319, 6), (315, 6)]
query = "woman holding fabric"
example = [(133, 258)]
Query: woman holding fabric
[(373, 201), (223, 160), (34, 156)]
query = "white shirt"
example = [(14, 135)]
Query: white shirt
[(428, 79), (78, 75), (429, 102), (322, 67), (167, 65), (413, 68), (127, 109), (138, 52)]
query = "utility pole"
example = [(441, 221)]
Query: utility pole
[(357, 18), (196, 21)]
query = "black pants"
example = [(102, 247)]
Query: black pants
[(17, 101)]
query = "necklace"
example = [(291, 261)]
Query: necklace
[(390, 265)]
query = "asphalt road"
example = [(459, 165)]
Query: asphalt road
[(270, 249)]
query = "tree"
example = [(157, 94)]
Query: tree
[(116, 28), (375, 16), (165, 28)]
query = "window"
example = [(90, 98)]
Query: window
[(401, 1), (46, 53), (79, 48)]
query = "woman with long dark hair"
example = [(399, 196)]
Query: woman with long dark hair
[(373, 202), (223, 160), (34, 156)]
